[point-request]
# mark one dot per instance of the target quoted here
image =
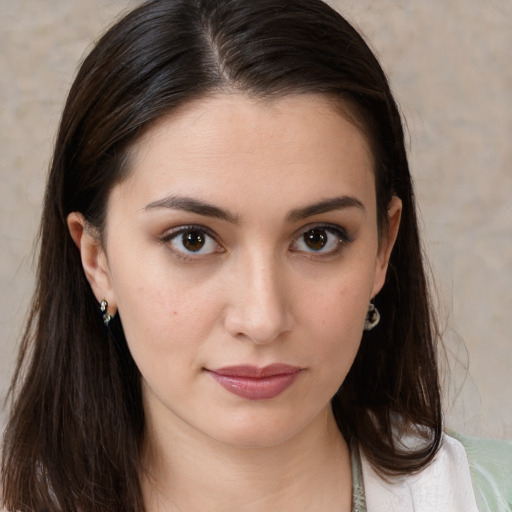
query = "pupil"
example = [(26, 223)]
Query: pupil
[(193, 240), (315, 239)]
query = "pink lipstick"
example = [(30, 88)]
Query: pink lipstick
[(255, 383)]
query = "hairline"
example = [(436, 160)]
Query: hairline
[(347, 108)]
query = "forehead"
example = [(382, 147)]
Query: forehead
[(230, 112), (239, 146)]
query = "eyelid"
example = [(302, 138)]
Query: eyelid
[(328, 226), (336, 229), (173, 233), (183, 228)]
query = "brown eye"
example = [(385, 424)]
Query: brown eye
[(193, 241), (322, 240), (315, 239)]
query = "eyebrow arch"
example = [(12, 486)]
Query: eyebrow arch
[(192, 205), (324, 206)]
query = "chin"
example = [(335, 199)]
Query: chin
[(260, 430), (259, 439)]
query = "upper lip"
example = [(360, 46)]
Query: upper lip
[(257, 372)]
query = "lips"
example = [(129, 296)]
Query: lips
[(255, 383)]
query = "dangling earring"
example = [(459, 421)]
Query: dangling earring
[(372, 317), (104, 310)]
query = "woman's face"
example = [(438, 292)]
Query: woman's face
[(241, 253)]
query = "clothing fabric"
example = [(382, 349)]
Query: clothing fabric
[(490, 464), (467, 475)]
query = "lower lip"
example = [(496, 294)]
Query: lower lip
[(260, 388)]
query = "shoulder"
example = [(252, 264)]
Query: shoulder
[(490, 464), (453, 482)]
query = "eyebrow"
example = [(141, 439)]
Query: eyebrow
[(199, 207), (324, 206), (192, 205)]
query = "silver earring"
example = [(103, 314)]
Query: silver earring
[(372, 317), (104, 310)]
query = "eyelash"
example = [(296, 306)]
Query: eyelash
[(338, 232), (209, 237)]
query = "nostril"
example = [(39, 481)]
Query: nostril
[(260, 323)]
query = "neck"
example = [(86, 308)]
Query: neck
[(187, 471)]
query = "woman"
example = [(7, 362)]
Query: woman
[(231, 310)]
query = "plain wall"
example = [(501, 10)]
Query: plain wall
[(449, 63)]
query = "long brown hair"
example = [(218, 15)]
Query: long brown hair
[(76, 426)]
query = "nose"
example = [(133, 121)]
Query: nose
[(259, 304)]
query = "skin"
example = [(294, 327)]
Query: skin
[(255, 293)]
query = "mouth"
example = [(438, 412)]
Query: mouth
[(255, 383)]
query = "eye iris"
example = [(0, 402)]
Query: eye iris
[(193, 241), (315, 239)]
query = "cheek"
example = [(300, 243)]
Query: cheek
[(339, 325), (339, 303), (165, 317), (333, 318)]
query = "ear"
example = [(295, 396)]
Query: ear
[(94, 259), (386, 244)]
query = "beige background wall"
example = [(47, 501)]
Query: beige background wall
[(449, 62)]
